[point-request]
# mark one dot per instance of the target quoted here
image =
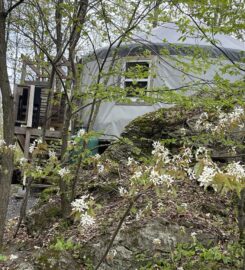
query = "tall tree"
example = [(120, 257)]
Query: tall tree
[(8, 119)]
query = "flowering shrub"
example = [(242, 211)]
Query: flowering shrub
[(224, 121), (4, 147), (82, 210)]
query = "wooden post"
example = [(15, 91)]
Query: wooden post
[(30, 106), (15, 101), (23, 72), (27, 143), (29, 120)]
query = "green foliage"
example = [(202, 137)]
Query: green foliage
[(2, 258), (196, 256), (48, 193), (61, 244)]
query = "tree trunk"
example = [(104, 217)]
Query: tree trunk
[(64, 196), (8, 127), (241, 216)]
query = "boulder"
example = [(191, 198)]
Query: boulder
[(55, 260), (25, 266), (177, 126), (137, 245)]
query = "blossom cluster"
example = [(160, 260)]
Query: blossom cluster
[(156, 173), (81, 206), (4, 146), (131, 161), (34, 145), (100, 167), (161, 152), (206, 177), (23, 161), (52, 154), (158, 179), (123, 191), (224, 120), (81, 132), (63, 172), (237, 170), (210, 170)]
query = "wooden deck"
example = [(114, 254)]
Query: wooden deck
[(34, 132)]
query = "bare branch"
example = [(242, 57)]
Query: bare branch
[(13, 7), (210, 40)]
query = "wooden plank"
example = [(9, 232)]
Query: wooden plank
[(36, 83), (27, 143), (23, 72), (16, 100), (30, 106), (21, 141), (34, 132)]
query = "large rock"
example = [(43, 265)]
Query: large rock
[(175, 125), (24, 266), (138, 245), (55, 260)]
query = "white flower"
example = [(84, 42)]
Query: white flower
[(2, 143), (191, 173), (201, 123), (193, 234), (39, 141), (159, 179), (206, 177), (113, 253), (12, 147), (63, 172), (156, 242), (101, 168), (184, 205), (32, 147), (180, 268), (130, 161), (137, 175), (160, 152), (187, 154), (80, 205), (13, 257), (241, 126), (87, 220), (23, 161), (225, 119), (38, 169), (182, 131), (122, 191), (201, 152), (52, 154), (81, 132), (236, 169), (97, 156)]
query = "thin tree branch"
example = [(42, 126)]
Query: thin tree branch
[(13, 7), (117, 230), (209, 39)]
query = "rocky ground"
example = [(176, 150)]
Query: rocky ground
[(188, 228), (16, 199), (171, 218)]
